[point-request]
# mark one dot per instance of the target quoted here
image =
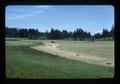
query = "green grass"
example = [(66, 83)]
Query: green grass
[(97, 48), (25, 62)]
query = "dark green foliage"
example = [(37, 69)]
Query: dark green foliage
[(54, 34), (64, 34), (105, 34), (112, 32), (21, 33), (11, 32), (92, 39), (33, 34), (78, 34), (97, 35)]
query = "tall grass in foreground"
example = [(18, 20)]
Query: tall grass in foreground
[(24, 62)]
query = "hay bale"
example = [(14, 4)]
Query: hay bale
[(53, 42), (109, 62), (77, 54)]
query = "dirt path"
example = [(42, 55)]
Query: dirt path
[(53, 49)]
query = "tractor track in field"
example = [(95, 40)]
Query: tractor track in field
[(52, 48)]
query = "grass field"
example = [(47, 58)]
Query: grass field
[(22, 61), (104, 49)]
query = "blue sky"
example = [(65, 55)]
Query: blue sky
[(91, 18)]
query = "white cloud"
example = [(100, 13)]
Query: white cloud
[(22, 16), (25, 11), (21, 13)]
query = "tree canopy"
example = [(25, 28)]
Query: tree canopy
[(78, 34)]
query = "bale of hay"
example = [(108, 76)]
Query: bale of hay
[(108, 62), (77, 54), (53, 42)]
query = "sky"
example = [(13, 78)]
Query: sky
[(91, 18)]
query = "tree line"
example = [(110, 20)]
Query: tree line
[(21, 33), (78, 34), (105, 33)]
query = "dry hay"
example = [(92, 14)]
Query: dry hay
[(53, 42), (77, 54), (53, 49), (109, 62)]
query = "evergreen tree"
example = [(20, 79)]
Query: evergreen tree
[(105, 33), (64, 34), (74, 35), (97, 35), (112, 32)]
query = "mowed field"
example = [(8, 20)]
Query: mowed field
[(62, 59)]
